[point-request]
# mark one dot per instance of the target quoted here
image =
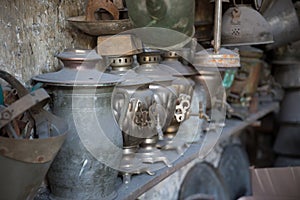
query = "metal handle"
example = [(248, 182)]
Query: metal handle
[(94, 5)]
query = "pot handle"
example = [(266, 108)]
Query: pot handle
[(94, 5)]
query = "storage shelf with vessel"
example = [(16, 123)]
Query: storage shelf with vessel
[(149, 99)]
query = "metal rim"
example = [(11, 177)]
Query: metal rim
[(234, 168), (203, 178)]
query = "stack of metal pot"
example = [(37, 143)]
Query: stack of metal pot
[(287, 71), (83, 169)]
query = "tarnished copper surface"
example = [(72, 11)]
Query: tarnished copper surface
[(79, 58), (100, 27), (26, 102), (31, 151)]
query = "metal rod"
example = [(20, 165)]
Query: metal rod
[(217, 25)]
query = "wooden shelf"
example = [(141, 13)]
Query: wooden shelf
[(143, 182)]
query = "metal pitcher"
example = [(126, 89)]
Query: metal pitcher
[(164, 92), (83, 169), (132, 103)]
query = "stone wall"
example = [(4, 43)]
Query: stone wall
[(33, 31)]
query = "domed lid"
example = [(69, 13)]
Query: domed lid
[(79, 58), (242, 25), (74, 77), (176, 67), (78, 54), (131, 78), (79, 70), (150, 67)]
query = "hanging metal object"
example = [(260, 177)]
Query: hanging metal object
[(288, 140), (82, 95), (247, 77), (234, 169), (217, 57), (203, 179), (112, 19), (25, 161), (283, 19), (242, 25), (210, 61)]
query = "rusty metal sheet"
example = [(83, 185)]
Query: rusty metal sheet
[(31, 151), (21, 180), (28, 101)]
